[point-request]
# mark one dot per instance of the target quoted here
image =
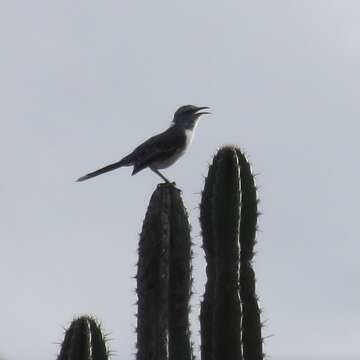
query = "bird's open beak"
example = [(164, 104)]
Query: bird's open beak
[(202, 112)]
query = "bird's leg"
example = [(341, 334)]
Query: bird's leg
[(161, 175)]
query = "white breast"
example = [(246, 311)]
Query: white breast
[(168, 162), (189, 137)]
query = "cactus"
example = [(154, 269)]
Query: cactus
[(229, 313), (83, 341), (220, 221), (206, 310), (251, 323), (164, 279)]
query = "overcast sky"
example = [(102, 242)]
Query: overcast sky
[(84, 82)]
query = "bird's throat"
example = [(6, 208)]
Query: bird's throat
[(189, 134)]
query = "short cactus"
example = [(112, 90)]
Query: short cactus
[(83, 341)]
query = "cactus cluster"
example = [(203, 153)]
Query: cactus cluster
[(229, 315)]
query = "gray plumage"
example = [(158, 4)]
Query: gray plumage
[(162, 150)]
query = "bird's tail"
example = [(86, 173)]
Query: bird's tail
[(122, 162)]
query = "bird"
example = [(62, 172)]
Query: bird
[(162, 150)]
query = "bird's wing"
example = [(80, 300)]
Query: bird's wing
[(158, 148)]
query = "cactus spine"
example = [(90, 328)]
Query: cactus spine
[(229, 313), (83, 341), (164, 279)]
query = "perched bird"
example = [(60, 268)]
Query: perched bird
[(162, 150)]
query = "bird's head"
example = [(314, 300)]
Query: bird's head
[(186, 116)]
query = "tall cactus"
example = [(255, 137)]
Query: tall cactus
[(207, 305), (164, 279), (83, 341), (251, 322), (220, 221), (228, 211)]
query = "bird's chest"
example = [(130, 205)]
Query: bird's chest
[(164, 163)]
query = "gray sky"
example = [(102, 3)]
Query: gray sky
[(84, 82)]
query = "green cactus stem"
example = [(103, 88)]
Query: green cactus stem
[(206, 309), (98, 342), (230, 328), (83, 341), (164, 279), (251, 322), (220, 220)]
